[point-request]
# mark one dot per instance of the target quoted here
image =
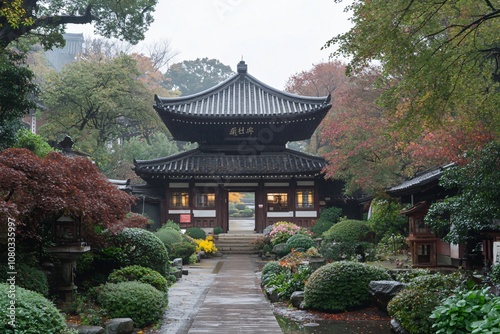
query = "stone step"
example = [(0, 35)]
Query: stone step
[(237, 243)]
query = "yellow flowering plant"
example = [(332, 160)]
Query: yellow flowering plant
[(206, 245)]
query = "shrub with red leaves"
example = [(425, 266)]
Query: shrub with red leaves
[(35, 192)]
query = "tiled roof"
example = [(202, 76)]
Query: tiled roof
[(242, 95), (418, 181), (203, 164)]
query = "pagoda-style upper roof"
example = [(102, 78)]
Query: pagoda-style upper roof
[(242, 109), (200, 164)]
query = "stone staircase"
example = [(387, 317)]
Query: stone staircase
[(237, 243)]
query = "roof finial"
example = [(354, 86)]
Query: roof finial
[(242, 67)]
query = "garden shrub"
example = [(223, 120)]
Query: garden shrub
[(280, 249), (408, 275), (139, 274), (196, 233), (27, 277), (206, 246), (347, 231), (218, 230), (184, 250), (34, 314), (288, 275), (282, 231), (168, 236), (327, 219), (141, 247), (287, 280), (266, 249), (349, 251), (495, 273), (341, 286), (139, 301), (491, 318), (271, 267), (170, 223), (462, 311), (300, 241), (413, 306)]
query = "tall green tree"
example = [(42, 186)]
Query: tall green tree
[(17, 90), (97, 103), (193, 76), (121, 160), (476, 207), (46, 19), (440, 59)]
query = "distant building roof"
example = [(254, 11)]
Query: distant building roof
[(420, 181), (58, 57)]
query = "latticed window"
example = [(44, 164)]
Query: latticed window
[(179, 199), (205, 200), (305, 199), (277, 201)]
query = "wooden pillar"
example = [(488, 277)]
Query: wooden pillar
[(260, 207)]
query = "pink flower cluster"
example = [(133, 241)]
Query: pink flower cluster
[(281, 231)]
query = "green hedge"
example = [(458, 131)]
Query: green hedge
[(168, 236), (184, 250), (139, 274), (413, 306), (341, 286), (348, 231), (300, 241), (139, 301), (143, 248), (327, 219), (196, 233), (34, 314), (27, 277)]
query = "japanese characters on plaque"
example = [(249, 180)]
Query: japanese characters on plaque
[(237, 131)]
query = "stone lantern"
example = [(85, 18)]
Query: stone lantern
[(69, 247)]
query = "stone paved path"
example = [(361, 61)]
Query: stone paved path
[(220, 295)]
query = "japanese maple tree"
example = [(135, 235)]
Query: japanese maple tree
[(35, 192)]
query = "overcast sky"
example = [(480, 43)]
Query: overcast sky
[(276, 38)]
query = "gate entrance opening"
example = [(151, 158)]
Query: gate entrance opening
[(241, 209)]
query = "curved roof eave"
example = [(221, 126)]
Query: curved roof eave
[(242, 75)]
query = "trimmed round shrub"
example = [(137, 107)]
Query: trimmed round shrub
[(141, 247), (27, 277), (169, 236), (412, 308), (34, 313), (271, 267), (139, 274), (218, 230), (341, 286), (184, 250), (172, 224), (196, 233), (280, 249), (327, 219), (347, 231), (300, 241), (139, 301)]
